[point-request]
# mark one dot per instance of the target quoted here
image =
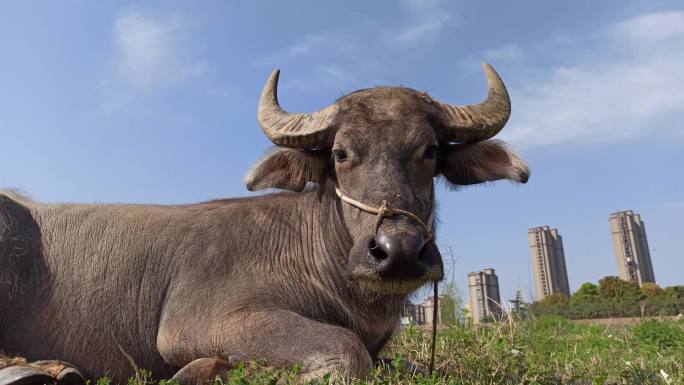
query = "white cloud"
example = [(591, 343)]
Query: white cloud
[(422, 29), (609, 96), (652, 27), (422, 5), (349, 57), (426, 20), (508, 53), (149, 54), (423, 23), (323, 76), (322, 46), (307, 45)]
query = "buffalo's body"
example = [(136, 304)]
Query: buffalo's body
[(173, 283), (314, 276)]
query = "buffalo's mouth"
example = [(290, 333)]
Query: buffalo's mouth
[(394, 286), (375, 272)]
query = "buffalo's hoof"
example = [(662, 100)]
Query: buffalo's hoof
[(25, 375), (202, 370), (70, 376), (42, 372), (64, 372)]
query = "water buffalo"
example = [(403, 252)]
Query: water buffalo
[(315, 275)]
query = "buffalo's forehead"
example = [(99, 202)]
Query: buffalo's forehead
[(383, 103), (392, 113)]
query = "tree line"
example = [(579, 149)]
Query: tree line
[(613, 297)]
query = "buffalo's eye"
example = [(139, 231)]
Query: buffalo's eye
[(340, 155), (430, 152)]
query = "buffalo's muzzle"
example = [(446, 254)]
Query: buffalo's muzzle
[(397, 255), (396, 260)]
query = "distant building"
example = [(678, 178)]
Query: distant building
[(422, 313), (483, 290), (408, 313), (548, 262), (412, 313), (631, 247), (429, 309)]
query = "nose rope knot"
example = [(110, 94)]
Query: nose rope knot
[(386, 211)]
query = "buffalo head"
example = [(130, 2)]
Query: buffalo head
[(383, 147)]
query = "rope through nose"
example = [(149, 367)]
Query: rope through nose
[(383, 211), (386, 211), (435, 314)]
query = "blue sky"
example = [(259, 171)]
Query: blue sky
[(156, 102)]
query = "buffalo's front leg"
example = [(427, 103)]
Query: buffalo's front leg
[(282, 338), (203, 371)]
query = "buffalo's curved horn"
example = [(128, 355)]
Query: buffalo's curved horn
[(479, 121), (297, 130)]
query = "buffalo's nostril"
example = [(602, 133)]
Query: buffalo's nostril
[(376, 251)]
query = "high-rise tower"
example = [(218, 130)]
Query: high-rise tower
[(548, 262), (631, 247), (485, 300)]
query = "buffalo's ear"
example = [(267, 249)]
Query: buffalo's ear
[(288, 169), (490, 160)]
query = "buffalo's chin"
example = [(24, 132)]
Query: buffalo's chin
[(390, 286), (372, 282)]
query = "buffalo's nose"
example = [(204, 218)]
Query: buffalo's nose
[(396, 252)]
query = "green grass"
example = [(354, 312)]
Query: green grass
[(543, 351)]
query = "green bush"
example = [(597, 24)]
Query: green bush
[(612, 298), (664, 335)]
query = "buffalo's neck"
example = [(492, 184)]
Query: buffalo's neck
[(311, 251), (306, 248)]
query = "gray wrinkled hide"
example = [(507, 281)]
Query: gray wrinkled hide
[(170, 284)]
